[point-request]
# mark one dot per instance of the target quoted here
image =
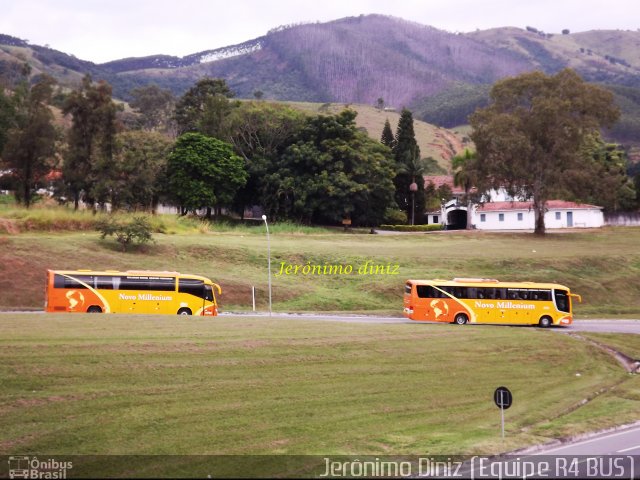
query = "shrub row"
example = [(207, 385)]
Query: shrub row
[(412, 228)]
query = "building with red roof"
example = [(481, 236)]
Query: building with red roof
[(502, 212)]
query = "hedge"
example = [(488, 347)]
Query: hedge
[(412, 228)]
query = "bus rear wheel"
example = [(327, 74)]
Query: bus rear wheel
[(545, 322), (94, 309), (460, 319), (184, 311)]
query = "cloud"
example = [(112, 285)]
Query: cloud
[(101, 31)]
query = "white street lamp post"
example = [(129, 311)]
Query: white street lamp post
[(264, 217)]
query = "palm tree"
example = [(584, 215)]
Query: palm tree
[(466, 176)]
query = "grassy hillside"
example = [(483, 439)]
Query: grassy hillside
[(435, 142), (602, 265), (91, 385)]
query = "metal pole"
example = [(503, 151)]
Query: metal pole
[(502, 411), (413, 188), (264, 217), (253, 297)]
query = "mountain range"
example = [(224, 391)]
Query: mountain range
[(441, 76)]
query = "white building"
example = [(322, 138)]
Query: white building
[(520, 215), (503, 212)]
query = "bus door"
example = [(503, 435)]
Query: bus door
[(562, 300)]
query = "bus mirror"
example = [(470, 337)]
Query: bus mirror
[(578, 297), (218, 288)]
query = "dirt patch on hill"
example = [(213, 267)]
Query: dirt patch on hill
[(9, 226)]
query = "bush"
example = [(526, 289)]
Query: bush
[(395, 216), (413, 228), (137, 230)]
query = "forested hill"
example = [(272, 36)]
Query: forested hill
[(441, 75)]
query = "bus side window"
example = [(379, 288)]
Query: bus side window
[(425, 291), (58, 281), (73, 283), (167, 284), (192, 287), (461, 292), (104, 282)]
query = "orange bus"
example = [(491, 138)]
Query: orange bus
[(130, 292), (481, 300)]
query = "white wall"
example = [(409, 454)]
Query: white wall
[(582, 218)]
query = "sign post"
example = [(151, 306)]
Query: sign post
[(503, 399)]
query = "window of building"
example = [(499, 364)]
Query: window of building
[(435, 219), (557, 215), (520, 216), (501, 217), (483, 217)]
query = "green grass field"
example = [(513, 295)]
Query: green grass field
[(110, 385), (602, 265), (89, 384)]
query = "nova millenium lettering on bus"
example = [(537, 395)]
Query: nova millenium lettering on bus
[(157, 298), (523, 306)]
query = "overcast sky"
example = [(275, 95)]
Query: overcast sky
[(100, 31)]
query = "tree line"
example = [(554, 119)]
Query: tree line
[(204, 150), (539, 137)]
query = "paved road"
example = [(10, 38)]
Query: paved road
[(619, 442), (614, 454), (597, 325)]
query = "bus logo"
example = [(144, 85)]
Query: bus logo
[(18, 467)]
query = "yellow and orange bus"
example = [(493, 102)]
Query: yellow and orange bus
[(481, 300), (132, 291)]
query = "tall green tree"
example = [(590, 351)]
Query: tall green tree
[(31, 142), (409, 168), (203, 172), (7, 116), (532, 132), (604, 180), (259, 133), (155, 107), (387, 137), (204, 107), (332, 172), (91, 141), (139, 169)]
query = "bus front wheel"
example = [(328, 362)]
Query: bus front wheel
[(460, 319), (94, 309), (545, 322), (184, 311)]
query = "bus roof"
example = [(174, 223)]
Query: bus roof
[(486, 282), (148, 273)]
